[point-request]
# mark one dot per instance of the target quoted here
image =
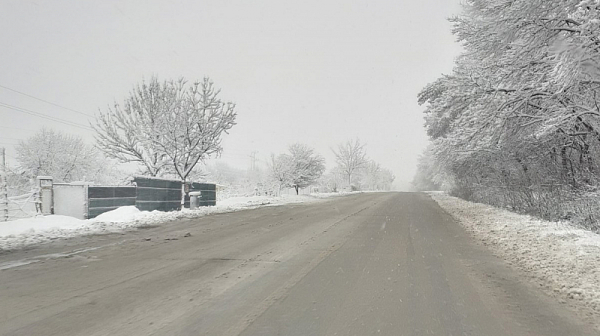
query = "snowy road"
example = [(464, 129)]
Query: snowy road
[(367, 264)]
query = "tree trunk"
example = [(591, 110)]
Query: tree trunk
[(182, 194), (296, 187), (567, 167)]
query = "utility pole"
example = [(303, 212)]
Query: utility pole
[(253, 160), (4, 182)]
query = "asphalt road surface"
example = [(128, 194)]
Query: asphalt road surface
[(368, 264)]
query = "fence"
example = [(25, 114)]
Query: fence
[(86, 201), (208, 194), (19, 207), (21, 197), (165, 195), (157, 194), (147, 194), (83, 200), (103, 199)]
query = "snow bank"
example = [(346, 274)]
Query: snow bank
[(38, 224), (119, 215), (19, 233), (560, 258)]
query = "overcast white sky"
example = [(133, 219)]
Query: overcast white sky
[(313, 71)]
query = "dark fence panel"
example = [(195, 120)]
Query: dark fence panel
[(148, 194), (103, 199), (208, 194), (146, 182), (156, 194)]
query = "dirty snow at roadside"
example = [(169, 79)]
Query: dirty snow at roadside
[(560, 258), (23, 232)]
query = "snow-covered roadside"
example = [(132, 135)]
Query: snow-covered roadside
[(23, 232), (560, 258)]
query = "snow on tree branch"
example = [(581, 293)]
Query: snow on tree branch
[(350, 157), (298, 169), (520, 111), (167, 127)]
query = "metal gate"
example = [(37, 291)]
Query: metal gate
[(70, 200)]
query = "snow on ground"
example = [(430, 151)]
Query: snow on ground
[(560, 258), (23, 232)]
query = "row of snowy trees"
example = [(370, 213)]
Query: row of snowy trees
[(67, 158), (169, 128), (302, 167), (517, 122), (357, 170)]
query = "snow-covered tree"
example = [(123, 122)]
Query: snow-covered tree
[(351, 156), (333, 180), (127, 132), (167, 126), (192, 131), (427, 175), (386, 179), (517, 122), (64, 157), (307, 166), (372, 175), (280, 169), (298, 169)]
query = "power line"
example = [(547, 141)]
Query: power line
[(45, 101), (40, 115), (17, 128)]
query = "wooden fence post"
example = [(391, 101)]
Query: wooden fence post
[(4, 182)]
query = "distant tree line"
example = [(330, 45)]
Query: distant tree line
[(303, 167)]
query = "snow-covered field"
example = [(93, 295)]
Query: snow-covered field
[(560, 258), (24, 232)]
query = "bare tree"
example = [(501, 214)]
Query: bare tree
[(351, 156), (167, 127)]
